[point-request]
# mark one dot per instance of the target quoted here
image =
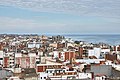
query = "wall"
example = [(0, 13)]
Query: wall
[(5, 73), (84, 75), (102, 69), (111, 57), (94, 52), (42, 76), (1, 57)]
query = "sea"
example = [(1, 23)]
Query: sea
[(111, 39), (108, 39)]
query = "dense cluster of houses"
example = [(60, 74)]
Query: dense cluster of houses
[(34, 57)]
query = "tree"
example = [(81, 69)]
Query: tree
[(77, 42)]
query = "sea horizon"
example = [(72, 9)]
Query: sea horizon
[(111, 39)]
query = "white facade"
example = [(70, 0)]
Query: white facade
[(1, 57), (34, 44), (118, 56), (62, 56), (117, 67), (43, 76), (55, 53), (91, 52), (94, 52), (32, 54), (108, 62), (40, 53), (1, 54), (18, 55), (88, 61), (14, 78), (105, 51), (97, 52), (8, 54), (17, 70), (62, 77), (84, 75), (100, 78), (117, 49)]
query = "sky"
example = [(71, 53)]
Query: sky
[(60, 16)]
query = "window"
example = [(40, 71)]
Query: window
[(55, 71), (10, 66), (44, 77), (50, 71), (37, 62), (1, 58), (102, 78), (11, 59), (59, 71), (46, 71), (11, 62), (41, 77)]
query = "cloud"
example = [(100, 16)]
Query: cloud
[(17, 25), (9, 24), (104, 8)]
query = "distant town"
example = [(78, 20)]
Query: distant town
[(41, 57)]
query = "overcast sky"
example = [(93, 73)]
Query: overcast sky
[(60, 16)]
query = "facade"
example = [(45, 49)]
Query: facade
[(34, 57), (5, 73), (95, 52), (34, 45), (43, 67), (1, 58), (67, 56), (101, 69), (85, 76)]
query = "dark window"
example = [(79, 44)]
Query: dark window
[(71, 69), (41, 77), (10, 66), (50, 71), (44, 77), (102, 77), (1, 58), (59, 71), (55, 71), (37, 62), (11, 62)]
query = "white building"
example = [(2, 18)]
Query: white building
[(94, 52), (88, 61), (34, 45), (98, 52), (100, 77), (105, 51), (85, 76), (14, 78), (42, 76), (55, 54), (1, 58)]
